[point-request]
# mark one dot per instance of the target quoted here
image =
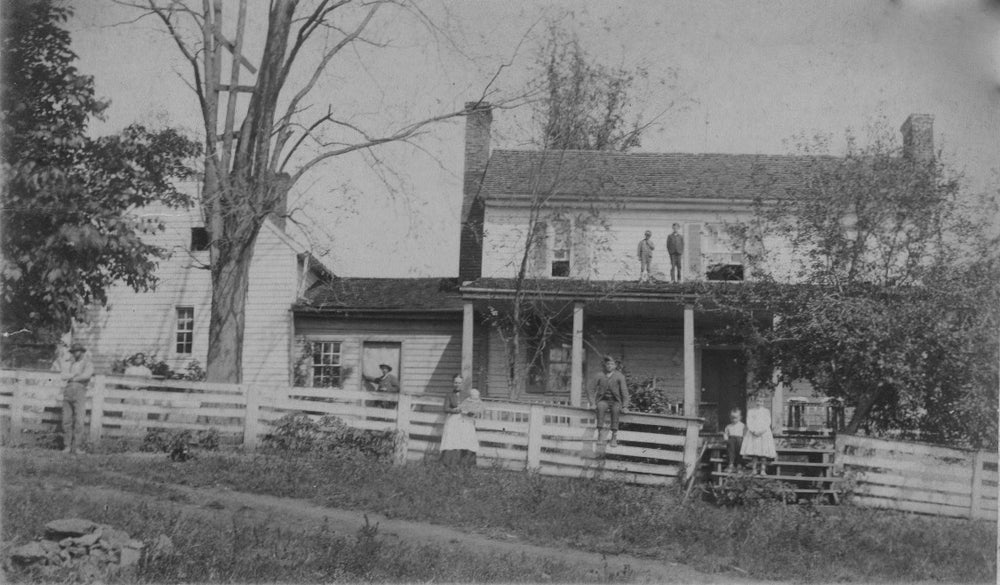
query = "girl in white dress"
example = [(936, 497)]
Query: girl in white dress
[(758, 442)]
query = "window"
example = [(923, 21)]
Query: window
[(551, 368), (199, 239), (560, 248), (326, 370), (723, 261), (185, 330)]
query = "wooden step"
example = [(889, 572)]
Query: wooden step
[(780, 462), (789, 478)]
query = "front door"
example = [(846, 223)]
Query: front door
[(723, 386)]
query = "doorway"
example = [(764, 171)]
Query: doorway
[(723, 386)]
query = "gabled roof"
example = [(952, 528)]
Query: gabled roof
[(382, 295), (644, 175)]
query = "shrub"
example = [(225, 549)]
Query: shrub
[(745, 488), (300, 433), (645, 395), (178, 444)]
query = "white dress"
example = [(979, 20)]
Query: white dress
[(758, 440), (459, 433)]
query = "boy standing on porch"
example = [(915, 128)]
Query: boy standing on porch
[(610, 395), (645, 253), (675, 248)]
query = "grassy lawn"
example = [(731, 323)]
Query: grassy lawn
[(768, 541)]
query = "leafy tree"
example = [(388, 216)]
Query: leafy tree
[(586, 105), (258, 146), (69, 231), (895, 306)]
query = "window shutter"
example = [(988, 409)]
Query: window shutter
[(581, 251), (693, 248), (538, 264)]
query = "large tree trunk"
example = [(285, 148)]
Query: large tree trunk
[(231, 280), (863, 408)]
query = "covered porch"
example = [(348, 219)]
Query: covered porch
[(663, 334)]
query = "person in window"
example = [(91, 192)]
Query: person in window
[(459, 444), (610, 395), (76, 372), (385, 383), (675, 248), (645, 253)]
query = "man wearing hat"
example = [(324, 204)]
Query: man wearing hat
[(610, 395), (76, 372), (384, 383)]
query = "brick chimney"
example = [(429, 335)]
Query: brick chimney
[(477, 156), (918, 137)]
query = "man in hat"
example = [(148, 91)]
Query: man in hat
[(384, 383), (645, 253), (610, 395), (76, 372)]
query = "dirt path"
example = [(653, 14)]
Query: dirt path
[(303, 515)]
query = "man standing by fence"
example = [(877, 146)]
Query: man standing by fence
[(76, 372)]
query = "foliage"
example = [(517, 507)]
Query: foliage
[(645, 395), (300, 433), (178, 443), (744, 488), (192, 372), (587, 105), (896, 307), (69, 227)]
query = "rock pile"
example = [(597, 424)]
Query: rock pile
[(80, 544)]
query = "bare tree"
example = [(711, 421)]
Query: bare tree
[(256, 150)]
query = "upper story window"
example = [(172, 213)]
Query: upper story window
[(561, 248), (723, 260), (185, 331), (199, 239)]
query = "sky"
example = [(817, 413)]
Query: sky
[(724, 76)]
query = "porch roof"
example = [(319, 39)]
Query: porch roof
[(382, 295), (593, 290)]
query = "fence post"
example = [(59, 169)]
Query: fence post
[(97, 408), (404, 406), (691, 449), (17, 409), (251, 420), (977, 483), (535, 420)]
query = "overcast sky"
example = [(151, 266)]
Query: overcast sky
[(726, 76)]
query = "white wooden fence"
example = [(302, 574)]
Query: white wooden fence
[(922, 478), (552, 439)]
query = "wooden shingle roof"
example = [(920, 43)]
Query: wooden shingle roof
[(644, 175), (389, 295)]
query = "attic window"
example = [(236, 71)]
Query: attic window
[(199, 239)]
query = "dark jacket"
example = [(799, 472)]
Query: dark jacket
[(675, 244), (612, 385)]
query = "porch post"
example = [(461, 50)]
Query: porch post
[(467, 332), (576, 372), (690, 394), (778, 399)]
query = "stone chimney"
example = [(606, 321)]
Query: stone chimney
[(918, 137), (477, 156)]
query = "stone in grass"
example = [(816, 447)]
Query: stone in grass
[(115, 539), (28, 554), (68, 527), (52, 551), (89, 539), (130, 556)]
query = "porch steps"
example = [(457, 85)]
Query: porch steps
[(809, 470)]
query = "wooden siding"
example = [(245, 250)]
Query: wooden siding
[(431, 352), (146, 322), (610, 254)]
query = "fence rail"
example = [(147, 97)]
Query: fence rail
[(551, 439), (916, 477)]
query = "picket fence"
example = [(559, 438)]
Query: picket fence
[(916, 477), (550, 439)]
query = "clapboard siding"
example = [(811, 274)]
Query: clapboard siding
[(146, 322), (610, 252), (647, 348), (431, 352)]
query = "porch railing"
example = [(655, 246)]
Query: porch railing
[(551, 439)]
